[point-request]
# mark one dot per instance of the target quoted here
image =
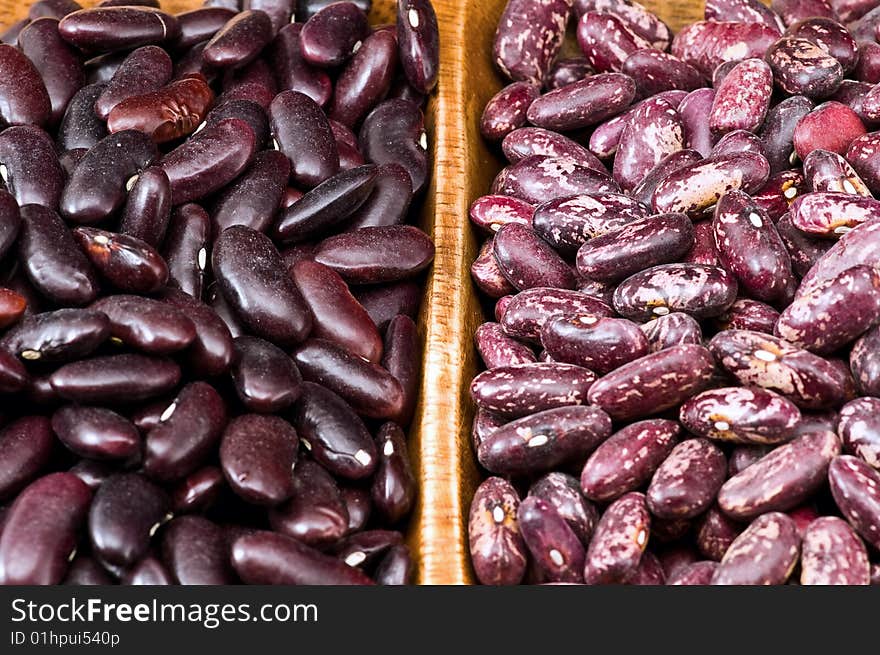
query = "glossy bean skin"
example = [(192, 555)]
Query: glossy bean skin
[(365, 79), (269, 558), (265, 378), (497, 549), (670, 330), (544, 440), (58, 336), (211, 351), (304, 135), (832, 554), (263, 296), (527, 141), (743, 98), (566, 71), (199, 491), (655, 71), (598, 344), (118, 28), (528, 262), (329, 37), (13, 376), (125, 512), (740, 415), (606, 41), (638, 18), (111, 379), (583, 103), (619, 541), (563, 493), (831, 214), (149, 571), (856, 490), (765, 553), (505, 113), (196, 552), (97, 187), (540, 179), (185, 248), (487, 274), (707, 44), (834, 313), (696, 289), (25, 99), (126, 262), (697, 573), (517, 391), (389, 201), (829, 172), (830, 126), (338, 438), (147, 325), (292, 71), (653, 383), (145, 70), (644, 191), (693, 109), (804, 250), (778, 130), (257, 455), (53, 263), (26, 445), (864, 362), (394, 132), (393, 490), (148, 209), (763, 360), (240, 40), (419, 40), (529, 38), (685, 484), (782, 479), (570, 221), (625, 461), (95, 432), (199, 25), (557, 553), (402, 359), (498, 349), (80, 127), (746, 11), (637, 154), (40, 530), (715, 533), (31, 171), (10, 222), (316, 513), (801, 67)]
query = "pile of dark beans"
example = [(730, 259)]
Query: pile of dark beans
[(207, 291), (683, 379)]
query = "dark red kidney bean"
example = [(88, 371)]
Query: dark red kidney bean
[(97, 188), (80, 127), (211, 351), (86, 571), (529, 37), (563, 493), (597, 343), (557, 553), (686, 482), (628, 459), (672, 330), (644, 191), (118, 28), (540, 179), (10, 35), (782, 479), (148, 209), (269, 558), (192, 62), (384, 302), (864, 362), (373, 255), (498, 349), (742, 99), (419, 40), (240, 41), (358, 504), (637, 155), (697, 289), (52, 261), (257, 455), (521, 390), (497, 549), (26, 445), (528, 262), (198, 491), (396, 568), (568, 222), (40, 530), (832, 554), (606, 40), (169, 113), (224, 312), (57, 9), (583, 103), (209, 160), (198, 25), (29, 166), (58, 64), (145, 70), (619, 541), (293, 72), (18, 302), (393, 489), (655, 71), (762, 360), (506, 111), (363, 549), (13, 376), (388, 202), (148, 325), (830, 126), (196, 552), (100, 69), (830, 36), (187, 430), (856, 490), (92, 473), (347, 145), (303, 134), (528, 312), (316, 514), (265, 378), (336, 435), (367, 387), (185, 248), (636, 246), (115, 379), (10, 222), (830, 214), (252, 278), (653, 383), (543, 440), (394, 132), (254, 198), (128, 263), (95, 432), (331, 35), (58, 336), (25, 98), (715, 533), (149, 571), (765, 553), (707, 44), (125, 513), (328, 204), (280, 12), (740, 415), (528, 141), (851, 299)]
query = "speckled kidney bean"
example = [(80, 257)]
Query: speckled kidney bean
[(697, 289), (566, 71), (831, 213), (831, 36), (563, 493), (653, 383), (742, 99), (529, 37), (747, 314), (694, 188), (528, 141), (653, 132), (30, 168), (696, 573), (803, 249), (833, 554), (830, 126), (490, 213), (316, 514), (740, 415), (583, 103), (687, 480), (860, 154), (856, 490), (557, 553), (607, 41), (528, 262), (538, 179), (781, 189), (801, 67), (619, 541), (829, 172), (597, 343), (715, 532), (765, 553), (528, 388), (738, 141), (747, 11), (497, 549), (792, 11), (644, 191), (779, 128), (529, 311), (506, 111), (570, 221), (670, 330), (655, 71), (498, 349), (706, 44), (864, 362), (487, 274), (782, 479)]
